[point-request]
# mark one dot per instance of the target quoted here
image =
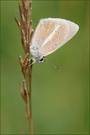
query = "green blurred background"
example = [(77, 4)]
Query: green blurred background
[(60, 100)]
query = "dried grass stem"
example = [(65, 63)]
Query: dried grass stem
[(25, 26)]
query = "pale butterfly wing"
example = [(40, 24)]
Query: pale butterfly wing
[(73, 28), (59, 34), (43, 30)]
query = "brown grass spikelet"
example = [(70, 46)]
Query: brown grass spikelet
[(25, 24), (26, 30)]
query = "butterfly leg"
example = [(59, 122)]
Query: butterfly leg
[(32, 61)]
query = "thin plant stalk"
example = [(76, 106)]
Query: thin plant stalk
[(26, 30)]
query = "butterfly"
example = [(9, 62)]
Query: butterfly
[(50, 35)]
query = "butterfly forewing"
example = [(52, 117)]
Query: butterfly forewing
[(43, 30), (50, 35), (58, 37)]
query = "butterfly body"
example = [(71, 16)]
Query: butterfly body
[(50, 35)]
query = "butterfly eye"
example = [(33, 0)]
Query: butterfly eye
[(42, 60)]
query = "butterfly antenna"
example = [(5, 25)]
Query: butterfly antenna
[(58, 68)]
